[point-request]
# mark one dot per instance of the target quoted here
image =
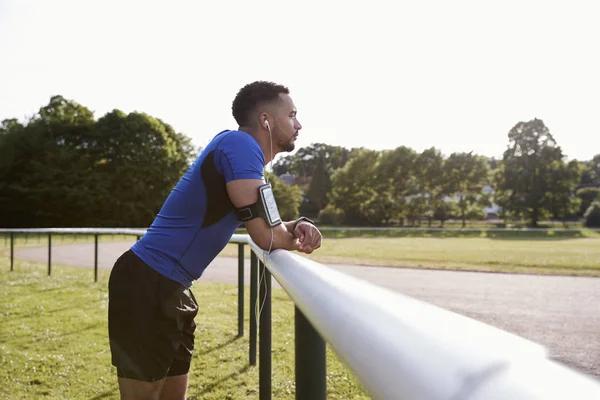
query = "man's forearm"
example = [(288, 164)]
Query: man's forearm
[(282, 236)]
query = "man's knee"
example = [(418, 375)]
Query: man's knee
[(132, 389), (175, 388)]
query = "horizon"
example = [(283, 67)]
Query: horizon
[(456, 77)]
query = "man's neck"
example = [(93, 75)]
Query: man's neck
[(263, 140)]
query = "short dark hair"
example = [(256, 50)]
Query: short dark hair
[(253, 95)]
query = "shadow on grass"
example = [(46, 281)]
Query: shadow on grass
[(60, 310), (87, 328), (211, 386), (104, 395), (220, 346)]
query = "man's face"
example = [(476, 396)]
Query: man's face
[(286, 127)]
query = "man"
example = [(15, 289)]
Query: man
[(151, 308)]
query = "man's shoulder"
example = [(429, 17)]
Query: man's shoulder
[(236, 154), (235, 138)]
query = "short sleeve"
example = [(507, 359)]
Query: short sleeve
[(239, 156)]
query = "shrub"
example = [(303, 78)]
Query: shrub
[(592, 215), (331, 216)]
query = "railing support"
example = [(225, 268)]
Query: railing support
[(264, 373), (310, 360), (49, 254), (240, 289), (96, 257), (253, 297), (12, 251)]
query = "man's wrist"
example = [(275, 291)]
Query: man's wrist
[(299, 220)]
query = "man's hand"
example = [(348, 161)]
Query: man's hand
[(308, 236)]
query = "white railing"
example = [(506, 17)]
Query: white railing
[(405, 349), (398, 347)]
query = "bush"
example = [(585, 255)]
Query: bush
[(331, 216), (592, 215), (587, 196)]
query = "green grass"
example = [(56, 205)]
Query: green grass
[(53, 341), (557, 253), (567, 257)]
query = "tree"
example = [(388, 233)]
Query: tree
[(352, 186), (564, 203), (141, 158), (592, 174), (592, 215), (63, 168), (465, 176), (320, 186), (305, 166), (45, 167), (415, 208), (525, 182), (445, 210), (10, 125), (587, 196), (331, 216), (380, 208), (429, 170), (288, 198), (396, 172), (304, 161)]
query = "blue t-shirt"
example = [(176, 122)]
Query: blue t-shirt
[(197, 219)]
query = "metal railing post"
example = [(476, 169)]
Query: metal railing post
[(96, 257), (240, 289), (310, 360), (264, 372), (49, 253), (12, 251), (253, 297)]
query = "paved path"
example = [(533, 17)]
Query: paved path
[(561, 313)]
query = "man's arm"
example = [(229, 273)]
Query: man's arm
[(244, 192)]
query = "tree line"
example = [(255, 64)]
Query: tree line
[(64, 168), (532, 182)]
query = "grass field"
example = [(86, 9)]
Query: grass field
[(515, 252), (54, 345)]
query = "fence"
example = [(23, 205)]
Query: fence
[(398, 347)]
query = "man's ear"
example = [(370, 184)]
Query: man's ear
[(264, 120)]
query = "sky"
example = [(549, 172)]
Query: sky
[(455, 75)]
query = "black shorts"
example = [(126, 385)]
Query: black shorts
[(150, 321)]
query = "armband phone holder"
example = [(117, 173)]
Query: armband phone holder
[(269, 205), (265, 207)]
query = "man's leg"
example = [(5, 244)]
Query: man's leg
[(132, 389), (176, 384), (174, 388), (143, 342)]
